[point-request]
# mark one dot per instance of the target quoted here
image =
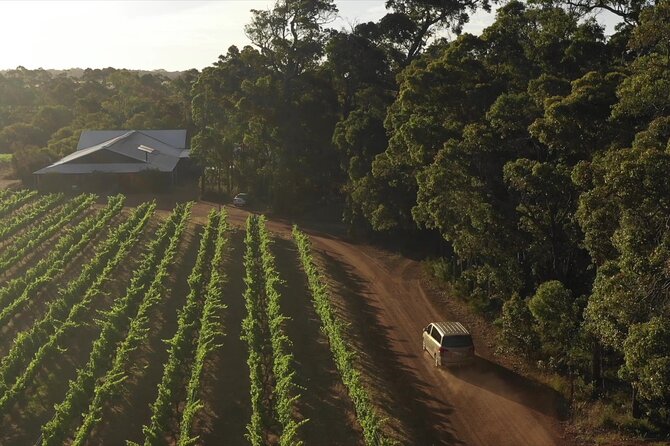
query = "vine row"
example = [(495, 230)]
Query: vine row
[(371, 424), (152, 273), (209, 336), (43, 231), (282, 365), (22, 219), (65, 312), (273, 391), (15, 201), (17, 292), (115, 324), (180, 346)]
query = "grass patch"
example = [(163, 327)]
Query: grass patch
[(609, 422), (5, 158)]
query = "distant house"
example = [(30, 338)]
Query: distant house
[(120, 160)]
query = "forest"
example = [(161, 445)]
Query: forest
[(529, 162), (42, 112)]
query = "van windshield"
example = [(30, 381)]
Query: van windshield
[(457, 341)]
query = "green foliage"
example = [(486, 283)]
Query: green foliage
[(209, 335), (19, 367), (147, 283), (291, 34), (28, 160), (628, 10), (534, 155), (556, 315), (140, 297), (265, 118), (14, 201), (511, 114), (655, 136), (644, 94), (37, 234), (547, 86), (629, 285), (653, 31), (576, 125), (252, 334), (285, 394), (517, 331), (495, 176), (360, 137), (410, 24), (547, 203), (50, 118), (273, 391), (181, 346), (344, 357), (42, 114), (29, 214), (17, 293), (647, 358), (20, 135)]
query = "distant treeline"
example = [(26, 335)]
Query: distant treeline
[(42, 114), (78, 73)]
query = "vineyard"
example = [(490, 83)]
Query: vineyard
[(150, 326)]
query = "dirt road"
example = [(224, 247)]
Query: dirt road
[(388, 305)]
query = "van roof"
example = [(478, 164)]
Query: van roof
[(451, 328)]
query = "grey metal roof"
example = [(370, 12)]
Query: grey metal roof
[(174, 138), (451, 328), (100, 168), (163, 156)]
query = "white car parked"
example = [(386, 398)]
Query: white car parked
[(241, 199)]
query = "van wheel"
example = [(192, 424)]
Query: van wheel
[(437, 360)]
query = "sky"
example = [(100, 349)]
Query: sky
[(172, 35)]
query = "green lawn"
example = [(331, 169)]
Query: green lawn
[(5, 158)]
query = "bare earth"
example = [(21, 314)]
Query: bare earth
[(386, 302), (483, 405)]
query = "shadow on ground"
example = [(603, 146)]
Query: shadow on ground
[(226, 377), (403, 396), (324, 398), (510, 385)]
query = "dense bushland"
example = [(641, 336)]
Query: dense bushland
[(530, 160), (42, 113)]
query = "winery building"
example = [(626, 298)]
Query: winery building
[(120, 161)]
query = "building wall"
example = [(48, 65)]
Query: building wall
[(107, 183)]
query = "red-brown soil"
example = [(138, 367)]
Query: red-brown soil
[(386, 303), (226, 376), (124, 417), (486, 404)]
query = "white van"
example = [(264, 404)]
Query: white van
[(448, 343)]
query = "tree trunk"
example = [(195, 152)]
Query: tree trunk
[(572, 391), (596, 369), (230, 181), (635, 405)]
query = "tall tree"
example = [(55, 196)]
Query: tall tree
[(291, 34), (273, 110), (411, 24)]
